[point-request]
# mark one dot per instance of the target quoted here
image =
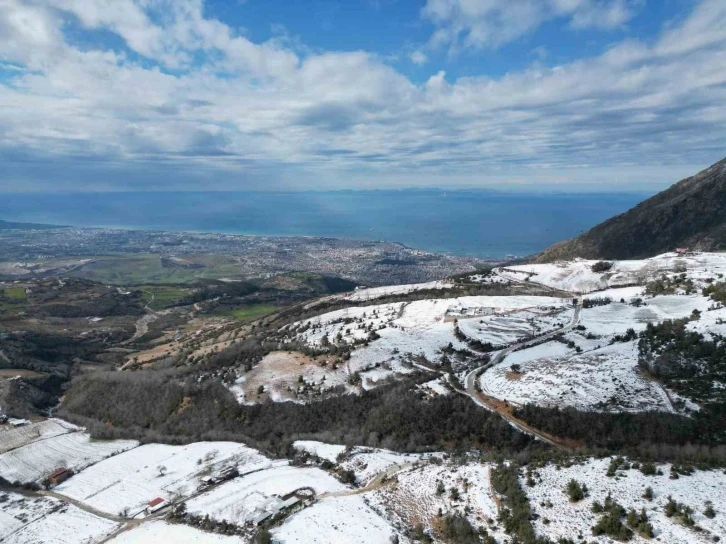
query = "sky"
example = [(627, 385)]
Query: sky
[(535, 95)]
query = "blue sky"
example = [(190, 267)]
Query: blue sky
[(578, 95)]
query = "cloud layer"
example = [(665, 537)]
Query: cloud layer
[(125, 94), (490, 23)]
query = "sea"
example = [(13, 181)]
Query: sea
[(479, 223)]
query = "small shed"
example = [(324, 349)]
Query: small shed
[(18, 422), (681, 250), (155, 505), (59, 476)]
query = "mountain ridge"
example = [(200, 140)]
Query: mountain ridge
[(691, 213)]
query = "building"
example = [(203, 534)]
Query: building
[(59, 476), (272, 507), (681, 250), (18, 422), (155, 505)]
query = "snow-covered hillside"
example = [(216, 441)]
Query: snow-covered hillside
[(578, 276), (558, 517)]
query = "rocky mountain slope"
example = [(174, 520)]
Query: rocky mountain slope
[(691, 213)]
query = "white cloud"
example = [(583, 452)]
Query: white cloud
[(418, 57), (28, 34), (266, 112), (491, 23)]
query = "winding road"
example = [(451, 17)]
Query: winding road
[(493, 404)]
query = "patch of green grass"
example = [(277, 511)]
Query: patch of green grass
[(16, 292), (141, 269), (158, 297), (244, 313)]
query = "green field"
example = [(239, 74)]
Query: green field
[(158, 297), (140, 269), (15, 292), (245, 313)]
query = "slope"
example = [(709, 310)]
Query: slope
[(691, 213)]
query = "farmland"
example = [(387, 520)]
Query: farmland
[(25, 520), (126, 482), (396, 492), (238, 501), (380, 415), (15, 437), (34, 461)]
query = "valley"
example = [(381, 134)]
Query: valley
[(379, 413)]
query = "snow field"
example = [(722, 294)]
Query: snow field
[(710, 323), (343, 520), (130, 480), (73, 450), (367, 463), (319, 449), (160, 531), (603, 376), (236, 501), (349, 322), (570, 519), (437, 386), (373, 293), (577, 276), (606, 379), (422, 327), (26, 520), (15, 437), (504, 329), (413, 498)]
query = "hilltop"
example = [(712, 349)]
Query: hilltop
[(691, 213)]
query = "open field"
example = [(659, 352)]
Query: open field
[(279, 375), (577, 276), (141, 269), (551, 375), (424, 328), (254, 311), (567, 519), (367, 463), (159, 297), (27, 520), (35, 461), (16, 292), (237, 501), (15, 437), (161, 531), (128, 481), (420, 493), (336, 519)]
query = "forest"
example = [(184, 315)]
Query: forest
[(163, 406)]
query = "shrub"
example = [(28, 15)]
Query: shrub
[(610, 523), (576, 491), (709, 512), (457, 529), (601, 266)]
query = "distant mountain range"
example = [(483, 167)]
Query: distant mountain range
[(690, 214), (10, 225)]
